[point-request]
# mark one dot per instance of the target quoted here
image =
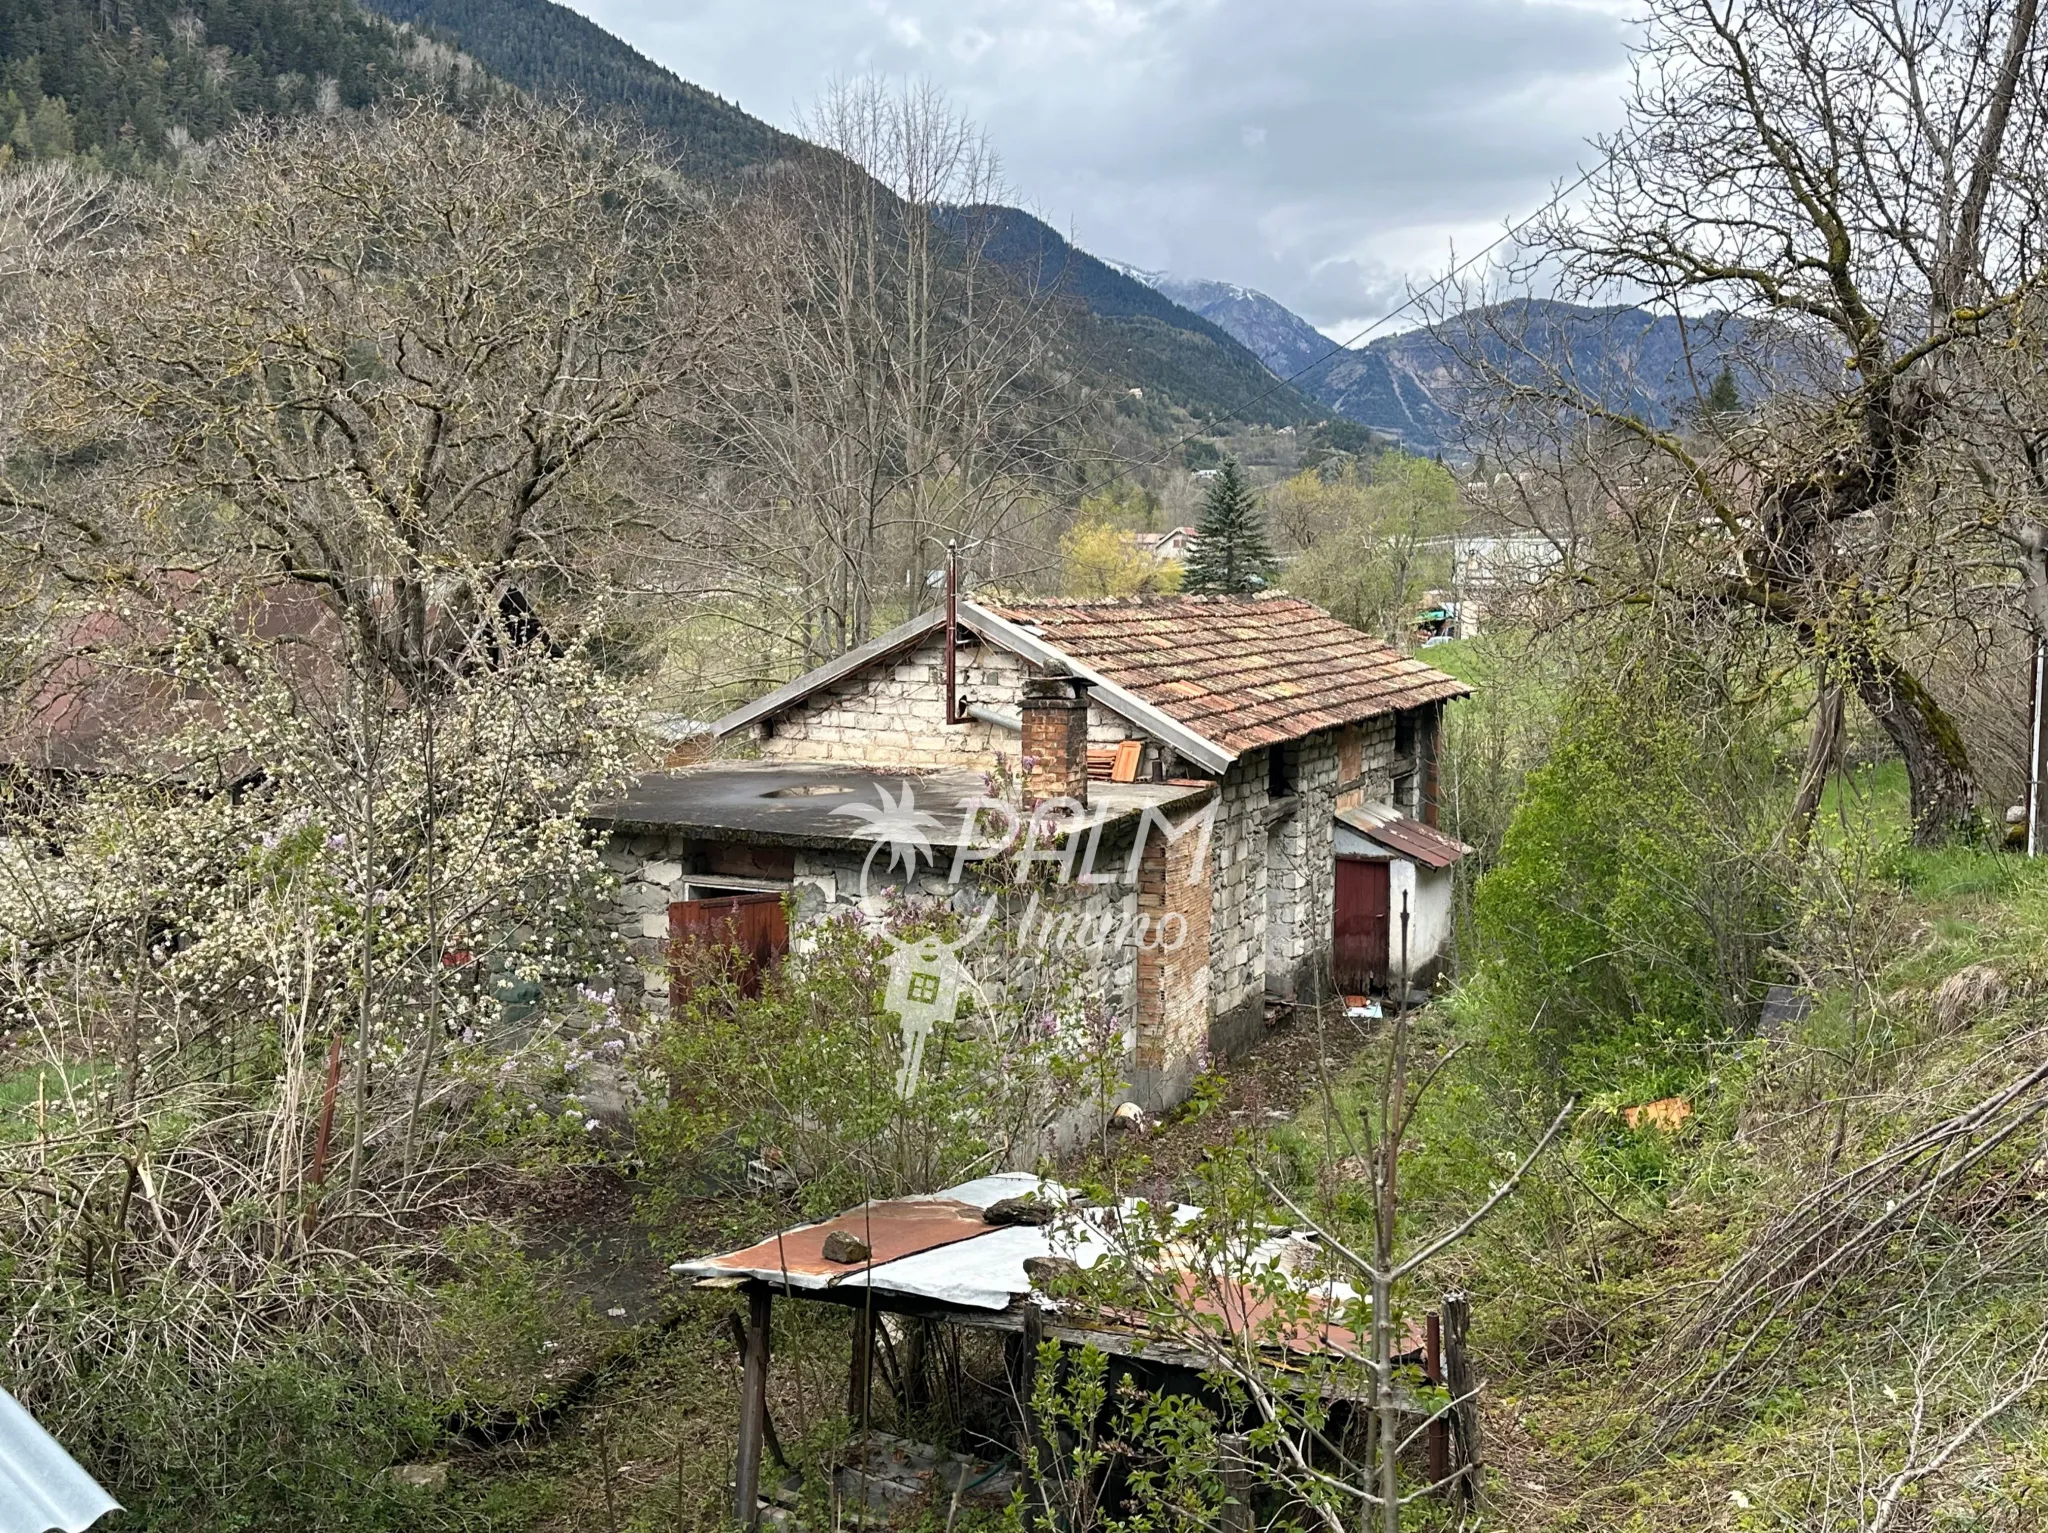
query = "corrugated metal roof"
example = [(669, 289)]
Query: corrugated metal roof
[(41, 1486), (1405, 837), (939, 1249), (899, 1232)]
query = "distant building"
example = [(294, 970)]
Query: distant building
[(1170, 546), (1490, 575)]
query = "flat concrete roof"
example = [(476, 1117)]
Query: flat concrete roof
[(808, 803)]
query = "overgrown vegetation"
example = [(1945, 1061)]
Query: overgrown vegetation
[(132, 89), (369, 468)]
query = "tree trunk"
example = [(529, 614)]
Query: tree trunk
[(1822, 753), (1937, 766)]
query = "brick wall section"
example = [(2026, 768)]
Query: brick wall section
[(1172, 968), (895, 714), (1237, 911), (1055, 741)]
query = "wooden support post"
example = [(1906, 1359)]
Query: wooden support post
[(859, 1377), (1439, 1429), (774, 1443), (1235, 1451), (1033, 1454), (1469, 1454), (746, 1497)]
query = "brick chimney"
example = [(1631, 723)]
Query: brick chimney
[(1055, 739)]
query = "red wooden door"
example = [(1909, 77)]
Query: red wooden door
[(1364, 906), (753, 925)]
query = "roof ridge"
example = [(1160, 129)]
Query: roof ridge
[(1155, 600)]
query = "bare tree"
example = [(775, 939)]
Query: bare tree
[(305, 468), (892, 391), (378, 358), (1847, 194)]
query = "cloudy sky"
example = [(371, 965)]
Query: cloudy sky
[(1325, 151)]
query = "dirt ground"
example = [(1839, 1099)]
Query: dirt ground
[(1281, 1074)]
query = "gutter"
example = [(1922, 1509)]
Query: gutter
[(996, 716)]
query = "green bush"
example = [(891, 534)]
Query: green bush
[(1623, 931), (298, 1442)]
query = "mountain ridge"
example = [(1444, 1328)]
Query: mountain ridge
[(551, 51), (1285, 342), (1138, 338), (1411, 384)]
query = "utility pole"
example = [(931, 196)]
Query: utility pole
[(2034, 753)]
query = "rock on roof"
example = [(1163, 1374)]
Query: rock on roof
[(1243, 671)]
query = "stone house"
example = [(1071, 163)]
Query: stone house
[(1258, 775)]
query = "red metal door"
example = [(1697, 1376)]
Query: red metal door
[(1364, 906), (752, 925)]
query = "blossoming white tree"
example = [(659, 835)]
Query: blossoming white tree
[(314, 541)]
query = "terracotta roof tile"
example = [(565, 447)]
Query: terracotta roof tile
[(1243, 671)]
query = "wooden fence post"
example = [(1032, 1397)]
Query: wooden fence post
[(1236, 1454), (1440, 1429), (1035, 1453), (1469, 1451)]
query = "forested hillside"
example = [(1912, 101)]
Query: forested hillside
[(121, 87), (1137, 338), (126, 96), (556, 53), (1140, 337)]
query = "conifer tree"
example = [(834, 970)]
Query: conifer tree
[(1723, 397), (1230, 556)]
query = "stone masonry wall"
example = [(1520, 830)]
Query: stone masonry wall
[(1301, 881), (652, 869), (1237, 912), (1365, 761), (1089, 927)]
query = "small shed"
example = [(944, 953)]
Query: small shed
[(1388, 863), (956, 1257)]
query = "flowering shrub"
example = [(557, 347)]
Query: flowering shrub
[(259, 991)]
